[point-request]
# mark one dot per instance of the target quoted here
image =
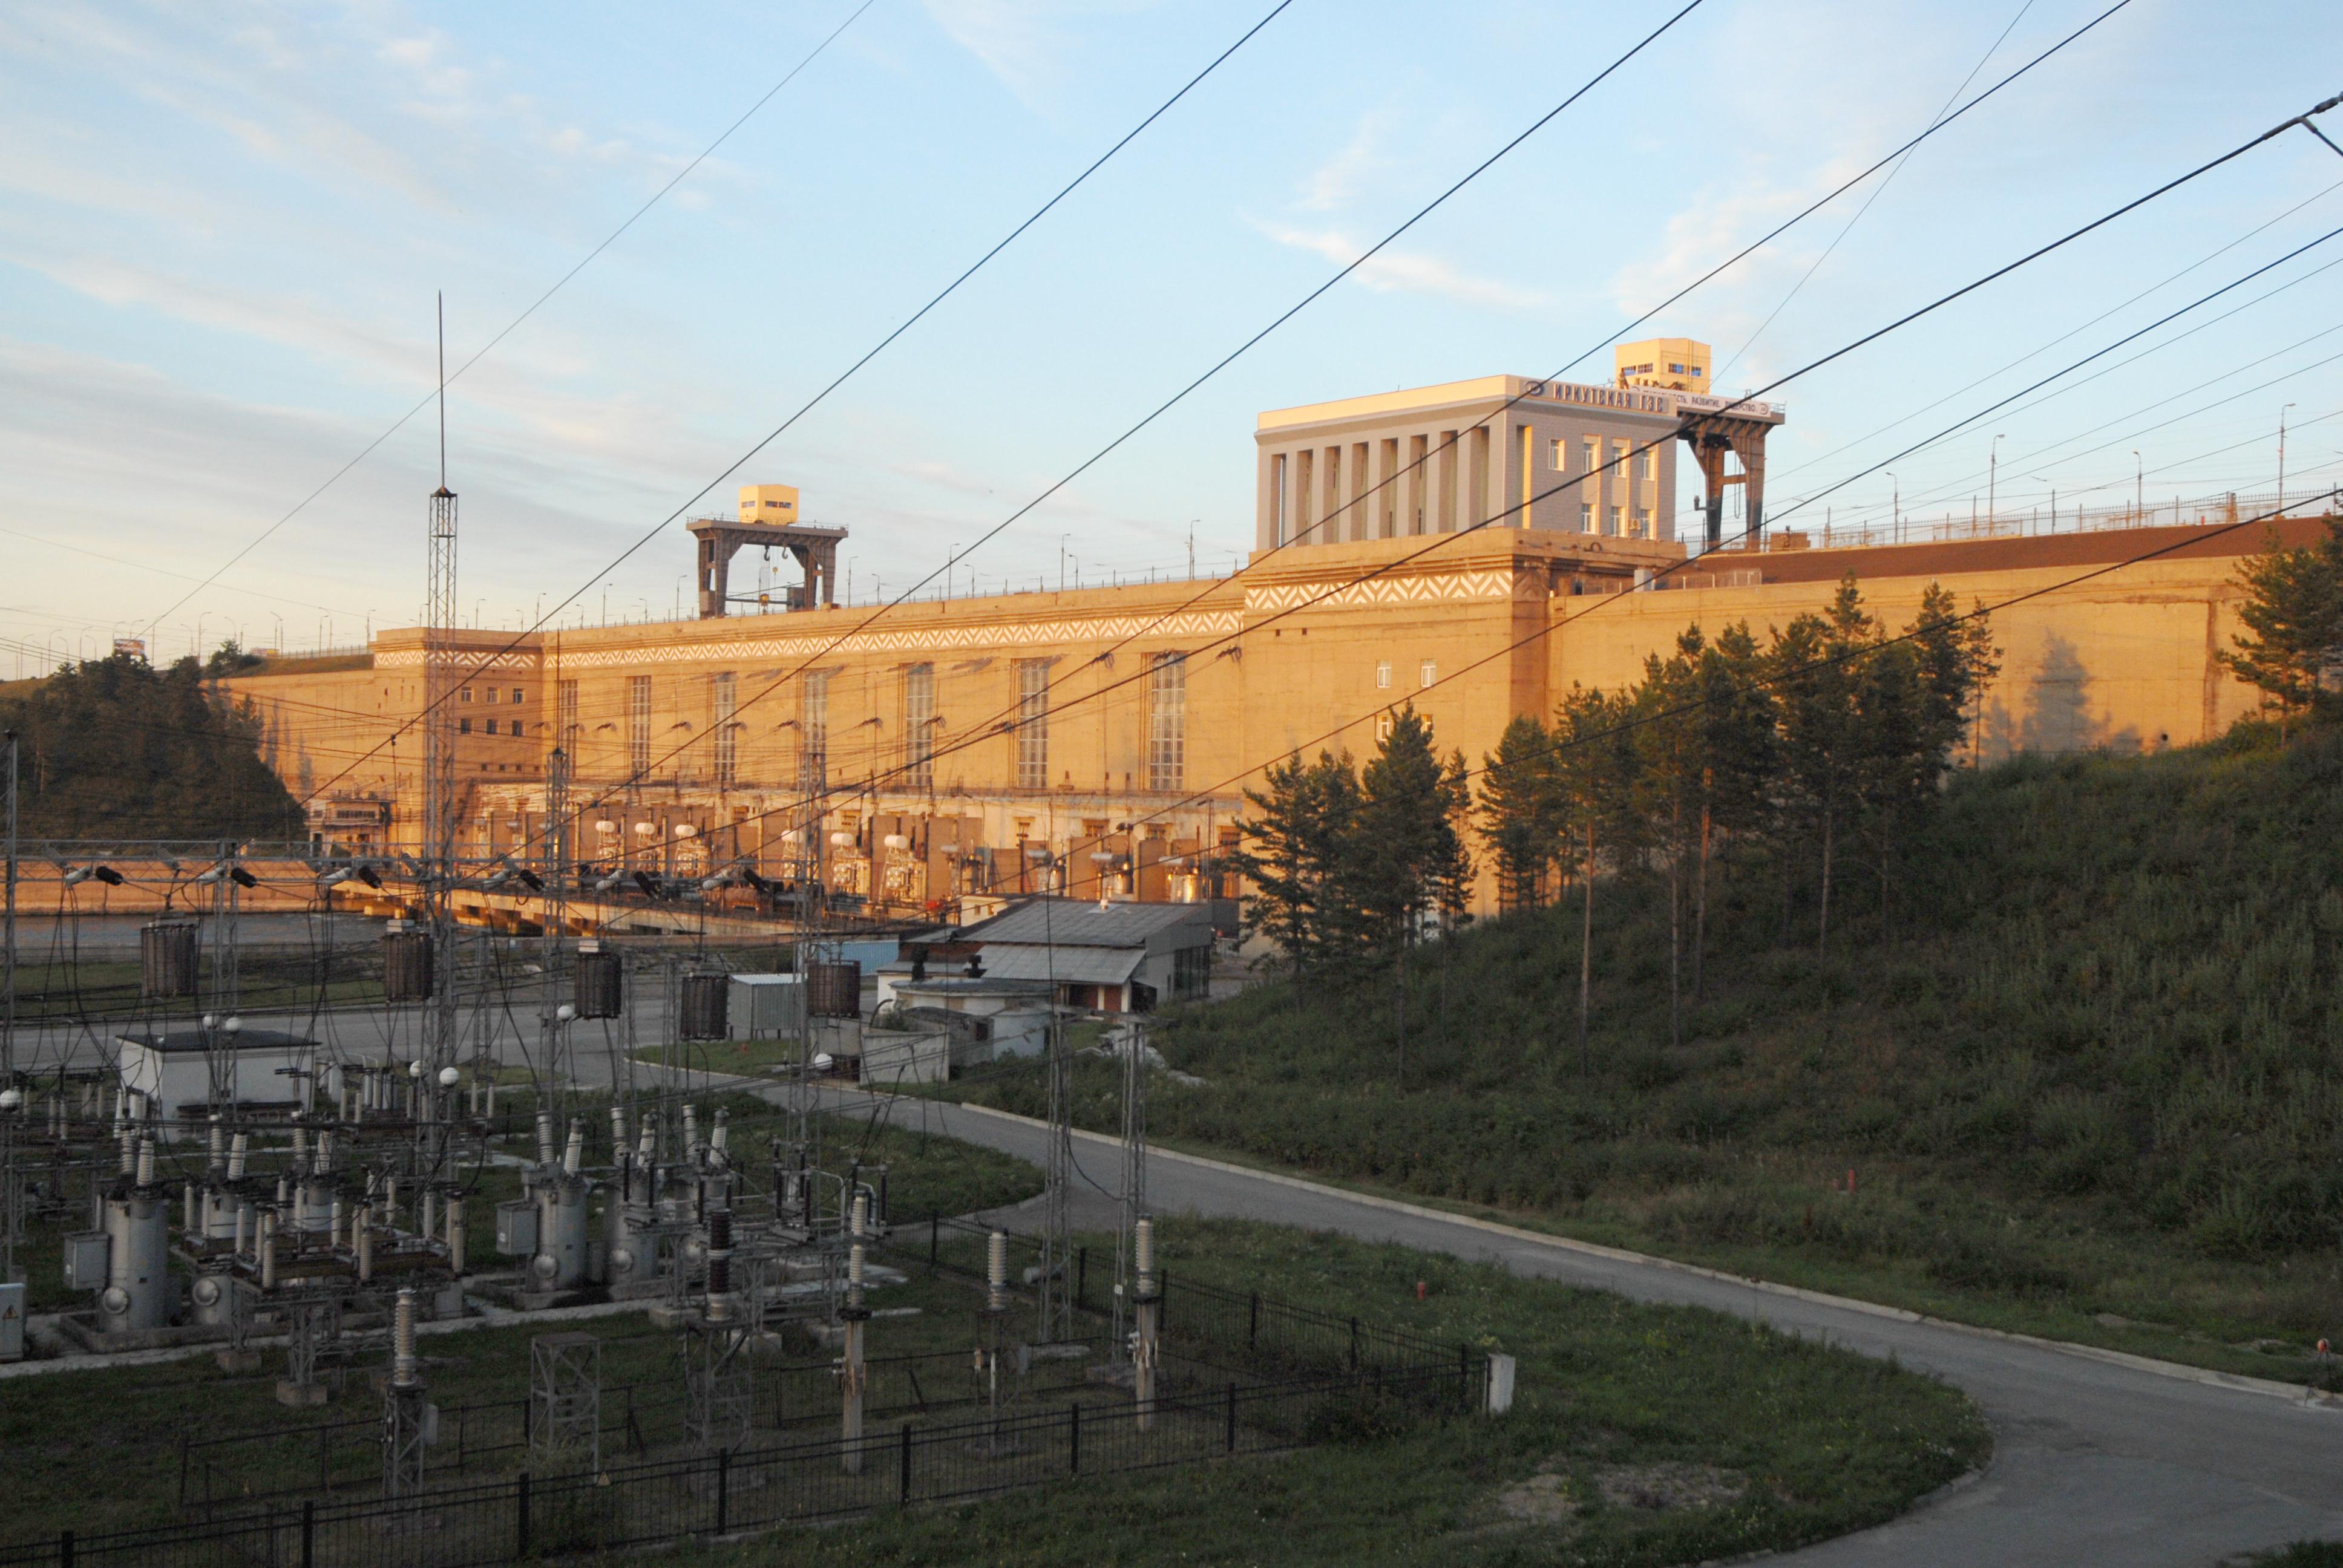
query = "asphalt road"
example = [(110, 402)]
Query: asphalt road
[(2095, 1460)]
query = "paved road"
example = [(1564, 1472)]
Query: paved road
[(2095, 1461)]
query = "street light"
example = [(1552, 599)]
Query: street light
[(2281, 463), (2139, 492), (1895, 506), (1992, 481)]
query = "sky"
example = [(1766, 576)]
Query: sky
[(223, 226)]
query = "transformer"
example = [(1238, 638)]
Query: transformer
[(706, 1003), (834, 989), (598, 989), (167, 959), (405, 963)]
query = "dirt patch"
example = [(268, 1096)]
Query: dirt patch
[(1543, 1499), (1669, 1486)]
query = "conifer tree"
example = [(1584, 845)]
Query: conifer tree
[(1291, 851), (1817, 671), (1740, 760), (2293, 614), (1595, 761), (1519, 810)]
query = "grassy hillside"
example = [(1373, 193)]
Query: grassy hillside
[(2092, 1084)]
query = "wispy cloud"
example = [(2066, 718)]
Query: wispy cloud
[(1393, 271), (1333, 183), (1028, 44)]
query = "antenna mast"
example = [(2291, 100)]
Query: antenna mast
[(439, 816)]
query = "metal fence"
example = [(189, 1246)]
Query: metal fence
[(762, 1486), (1240, 1372)]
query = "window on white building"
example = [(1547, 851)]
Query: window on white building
[(1383, 675)]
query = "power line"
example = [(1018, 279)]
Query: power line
[(2072, 332), (1322, 288), (1523, 505), (1161, 408), (2069, 368), (425, 402), (947, 290), (1878, 191)]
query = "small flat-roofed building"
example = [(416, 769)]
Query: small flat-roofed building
[(1112, 958), (267, 1072)]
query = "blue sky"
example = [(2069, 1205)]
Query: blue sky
[(221, 227)]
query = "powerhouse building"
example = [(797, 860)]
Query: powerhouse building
[(1097, 742)]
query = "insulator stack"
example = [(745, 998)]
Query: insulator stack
[(996, 1271), (404, 1370)]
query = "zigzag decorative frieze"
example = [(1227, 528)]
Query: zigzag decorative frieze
[(1379, 592), (934, 639), (403, 658)]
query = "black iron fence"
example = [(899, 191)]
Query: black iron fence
[(762, 1486), (1239, 1373)]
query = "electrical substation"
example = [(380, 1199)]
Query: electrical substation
[(346, 1165)]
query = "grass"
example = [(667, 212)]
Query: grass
[(1804, 1442), (2086, 1084)]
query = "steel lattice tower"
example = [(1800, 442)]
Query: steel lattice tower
[(440, 814)]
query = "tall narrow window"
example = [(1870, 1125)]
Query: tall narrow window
[(566, 719), (1167, 721), (1557, 454), (1585, 516), (722, 694), (813, 730), (1619, 458), (1591, 450), (638, 723), (1618, 522), (1652, 462), (1034, 724), (919, 726)]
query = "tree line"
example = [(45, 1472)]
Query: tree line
[(1829, 739), (113, 748)]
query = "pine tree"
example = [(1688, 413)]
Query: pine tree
[(2293, 613), (1593, 761), (1291, 851), (1665, 788), (1519, 814), (1741, 762), (1817, 671)]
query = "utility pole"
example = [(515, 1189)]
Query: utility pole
[(2139, 487)]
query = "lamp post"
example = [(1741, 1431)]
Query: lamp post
[(1992, 481), (1895, 506), (2281, 463), (2140, 490)]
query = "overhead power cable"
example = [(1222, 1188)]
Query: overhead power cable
[(2063, 371), (1361, 500), (1877, 192), (1522, 506), (1117, 441), (401, 423), (2075, 331)]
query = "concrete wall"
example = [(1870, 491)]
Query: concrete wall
[(1307, 652)]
